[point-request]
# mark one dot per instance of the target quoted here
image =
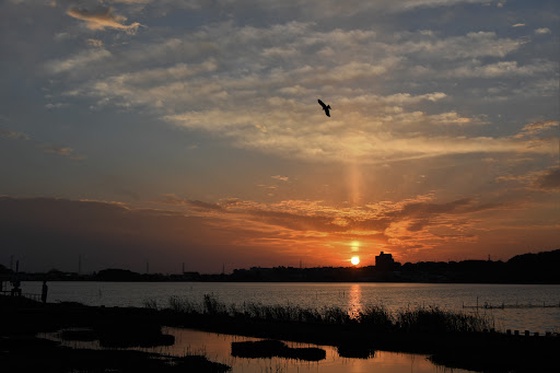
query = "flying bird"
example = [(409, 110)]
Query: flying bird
[(325, 107)]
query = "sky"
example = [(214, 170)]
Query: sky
[(151, 135)]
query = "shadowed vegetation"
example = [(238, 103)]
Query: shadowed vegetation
[(372, 318), (452, 339)]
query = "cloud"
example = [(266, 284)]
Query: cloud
[(81, 60), (539, 181), (339, 144), (13, 135), (95, 43), (116, 235), (470, 46), (103, 18), (63, 151), (302, 220), (355, 7), (153, 77), (417, 88), (57, 105), (543, 31), (412, 4), (134, 1), (535, 129), (48, 231), (502, 69), (256, 86), (550, 179)]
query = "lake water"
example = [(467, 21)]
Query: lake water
[(217, 348), (347, 296)]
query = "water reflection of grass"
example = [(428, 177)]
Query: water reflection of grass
[(272, 348)]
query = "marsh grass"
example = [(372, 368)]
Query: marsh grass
[(435, 320), (371, 318), (377, 318)]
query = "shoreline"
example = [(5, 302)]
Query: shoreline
[(212, 278), (529, 268), (479, 351)]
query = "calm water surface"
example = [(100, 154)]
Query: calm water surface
[(217, 348), (348, 296)]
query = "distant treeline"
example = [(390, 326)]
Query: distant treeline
[(539, 268)]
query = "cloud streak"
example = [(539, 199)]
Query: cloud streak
[(63, 151), (286, 230), (103, 18), (13, 135)]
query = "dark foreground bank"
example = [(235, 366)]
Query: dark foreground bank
[(22, 351), (450, 340)]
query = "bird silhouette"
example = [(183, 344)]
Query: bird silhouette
[(325, 107)]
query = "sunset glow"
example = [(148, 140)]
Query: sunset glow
[(355, 260), (190, 132)]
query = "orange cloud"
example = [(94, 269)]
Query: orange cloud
[(102, 18), (539, 180), (537, 128), (245, 233), (414, 224)]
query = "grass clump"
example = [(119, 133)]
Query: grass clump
[(376, 318), (435, 320)]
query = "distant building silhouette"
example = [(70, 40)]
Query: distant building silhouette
[(384, 262)]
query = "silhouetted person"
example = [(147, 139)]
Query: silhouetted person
[(44, 292), (325, 107), (16, 290)]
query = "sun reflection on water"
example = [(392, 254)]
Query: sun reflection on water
[(355, 306)]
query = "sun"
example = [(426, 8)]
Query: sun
[(355, 260)]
